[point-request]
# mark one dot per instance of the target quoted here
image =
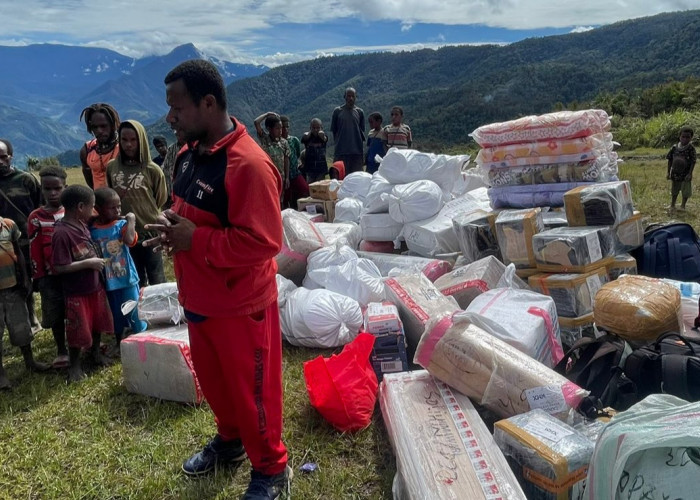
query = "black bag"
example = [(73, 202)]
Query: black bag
[(669, 251), (598, 369), (670, 365)]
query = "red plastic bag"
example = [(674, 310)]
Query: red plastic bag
[(343, 388)]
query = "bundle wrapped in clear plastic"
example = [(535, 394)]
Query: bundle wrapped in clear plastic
[(622, 264), (601, 204), (476, 234), (414, 201), (629, 234), (554, 218), (558, 125), (573, 294), (573, 249), (158, 305), (300, 238), (492, 372), (536, 195), (347, 233), (443, 449), (514, 230), (431, 268)]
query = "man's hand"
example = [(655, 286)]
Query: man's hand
[(174, 233)]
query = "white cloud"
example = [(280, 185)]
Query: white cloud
[(406, 27), (582, 29)]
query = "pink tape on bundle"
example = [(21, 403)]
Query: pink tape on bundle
[(480, 285), (292, 254), (555, 347), (142, 352), (436, 269), (493, 299), (430, 340), (573, 394)]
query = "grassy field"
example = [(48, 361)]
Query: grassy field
[(94, 440)]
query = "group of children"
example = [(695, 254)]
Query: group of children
[(81, 267)]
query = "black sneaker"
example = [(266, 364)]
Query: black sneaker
[(263, 487), (217, 452)]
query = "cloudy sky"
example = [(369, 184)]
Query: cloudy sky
[(274, 32)]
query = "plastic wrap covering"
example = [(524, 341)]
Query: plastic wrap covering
[(559, 125), (622, 264), (301, 237), (358, 279), (604, 204), (532, 153), (638, 308), (573, 294), (348, 210), (573, 249), (431, 268), (524, 319), (690, 296), (355, 185), (492, 372), (443, 449), (316, 218), (158, 305), (629, 234), (549, 458), (377, 246), (649, 452), (537, 195), (379, 227), (476, 234), (514, 230), (157, 363), (284, 288), (401, 166), (465, 283), (347, 233), (414, 201), (572, 329), (554, 218), (320, 318), (601, 169), (418, 301), (332, 255), (435, 236)]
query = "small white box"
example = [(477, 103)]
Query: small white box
[(382, 317)]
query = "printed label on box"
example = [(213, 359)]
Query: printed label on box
[(548, 398), (551, 431), (594, 249), (594, 285)]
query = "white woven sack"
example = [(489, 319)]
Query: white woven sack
[(333, 255), (355, 185), (348, 210), (284, 288), (414, 201), (359, 279), (401, 166), (374, 204)]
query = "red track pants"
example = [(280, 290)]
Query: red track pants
[(238, 361)]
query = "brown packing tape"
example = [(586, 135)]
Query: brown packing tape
[(554, 268), (584, 320), (574, 208), (549, 281), (525, 273), (559, 488)]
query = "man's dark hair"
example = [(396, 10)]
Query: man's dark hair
[(684, 130), (159, 139), (103, 195), (375, 116), (271, 121), (284, 118), (75, 194), (53, 171), (105, 109), (201, 78), (8, 145), (398, 108)]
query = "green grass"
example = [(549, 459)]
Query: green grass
[(94, 440)]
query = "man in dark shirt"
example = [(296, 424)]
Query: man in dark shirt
[(348, 128)]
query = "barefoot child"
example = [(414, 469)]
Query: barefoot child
[(40, 227), (14, 287), (114, 234), (75, 259), (681, 162)]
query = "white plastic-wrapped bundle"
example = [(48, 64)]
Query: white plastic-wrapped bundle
[(320, 318), (157, 305), (443, 449), (414, 201), (284, 288), (379, 227), (431, 268), (347, 233), (359, 279), (332, 255), (348, 210), (648, 452), (492, 372), (157, 363), (355, 185), (401, 166), (629, 234), (301, 237), (374, 204), (600, 204)]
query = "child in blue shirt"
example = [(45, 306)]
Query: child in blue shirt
[(114, 234)]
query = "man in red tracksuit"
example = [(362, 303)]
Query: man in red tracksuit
[(224, 231)]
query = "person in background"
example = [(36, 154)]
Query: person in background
[(314, 158), (169, 164), (224, 232), (20, 195), (375, 142), (397, 134), (161, 145), (140, 184), (102, 121), (681, 162), (40, 227), (348, 128), (337, 171), (274, 144), (298, 188)]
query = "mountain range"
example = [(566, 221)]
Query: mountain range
[(46, 86)]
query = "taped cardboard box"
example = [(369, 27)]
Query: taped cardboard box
[(622, 264), (554, 218), (600, 204), (573, 249), (525, 272), (549, 458), (317, 206), (157, 363), (629, 234), (476, 234), (573, 294), (443, 449), (321, 190), (514, 230)]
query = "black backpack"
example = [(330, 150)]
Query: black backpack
[(670, 365), (599, 369), (669, 251)]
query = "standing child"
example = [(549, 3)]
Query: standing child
[(40, 227), (272, 142), (375, 143), (681, 162), (314, 141), (298, 188), (75, 259), (14, 287), (398, 134), (113, 234)]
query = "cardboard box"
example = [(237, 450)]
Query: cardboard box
[(321, 190), (382, 317), (312, 206)]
